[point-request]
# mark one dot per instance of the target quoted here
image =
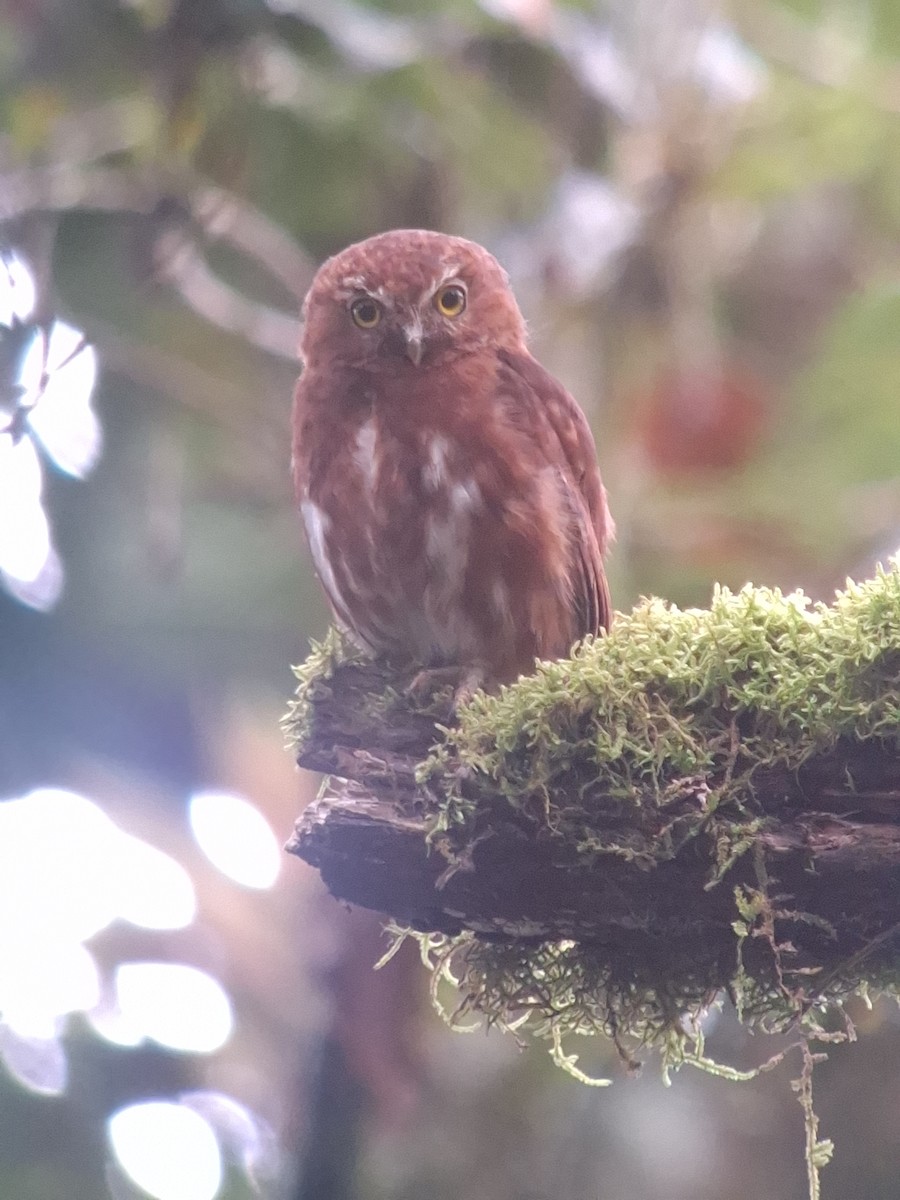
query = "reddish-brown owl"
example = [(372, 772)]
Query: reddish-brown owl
[(448, 485)]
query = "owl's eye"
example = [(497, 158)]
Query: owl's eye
[(450, 301), (365, 312)]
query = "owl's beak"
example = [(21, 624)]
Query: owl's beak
[(412, 336)]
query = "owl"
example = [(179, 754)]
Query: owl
[(448, 484)]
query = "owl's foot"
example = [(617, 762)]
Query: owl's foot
[(465, 682)]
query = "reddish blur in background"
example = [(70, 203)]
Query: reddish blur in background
[(699, 206)]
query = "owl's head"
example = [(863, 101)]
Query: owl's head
[(409, 296)]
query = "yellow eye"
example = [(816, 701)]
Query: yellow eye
[(365, 312), (450, 301)]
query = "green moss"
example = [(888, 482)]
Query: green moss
[(334, 650), (660, 695)]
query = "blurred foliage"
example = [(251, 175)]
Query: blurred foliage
[(699, 205)]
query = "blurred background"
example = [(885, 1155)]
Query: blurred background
[(699, 205)]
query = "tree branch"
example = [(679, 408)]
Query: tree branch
[(831, 840), (740, 813)]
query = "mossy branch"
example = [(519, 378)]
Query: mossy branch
[(650, 871), (626, 797), (699, 802)]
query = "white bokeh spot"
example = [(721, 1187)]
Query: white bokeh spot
[(153, 890), (175, 1005), (17, 290), (236, 838), (167, 1149), (41, 984), (39, 1064), (28, 563), (47, 400), (66, 873), (58, 374), (55, 851)]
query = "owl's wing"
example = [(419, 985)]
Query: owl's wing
[(545, 409)]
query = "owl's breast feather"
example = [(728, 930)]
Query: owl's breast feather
[(437, 540)]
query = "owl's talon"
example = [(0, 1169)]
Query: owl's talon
[(465, 682)]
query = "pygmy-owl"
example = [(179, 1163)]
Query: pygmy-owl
[(448, 484)]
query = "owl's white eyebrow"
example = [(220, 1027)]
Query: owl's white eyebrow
[(450, 272), (353, 285)]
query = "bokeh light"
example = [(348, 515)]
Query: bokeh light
[(45, 401), (236, 838), (42, 982), (56, 851), (175, 1005), (153, 890), (167, 1149), (58, 374), (39, 1064), (246, 1140), (67, 871), (17, 291), (29, 566)]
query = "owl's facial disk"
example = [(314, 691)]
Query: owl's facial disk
[(408, 298)]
